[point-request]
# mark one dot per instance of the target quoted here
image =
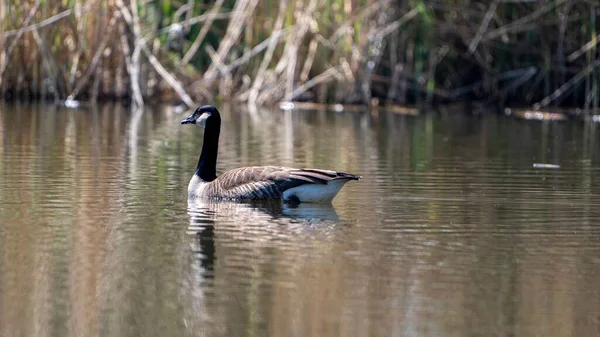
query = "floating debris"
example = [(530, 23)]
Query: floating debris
[(286, 106), (402, 110), (338, 107), (71, 103), (536, 115), (546, 166)]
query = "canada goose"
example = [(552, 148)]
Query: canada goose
[(258, 182)]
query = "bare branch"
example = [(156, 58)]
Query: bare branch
[(484, 25), (244, 8), (4, 57), (586, 47), (396, 24), (567, 86), (92, 67), (207, 24), (322, 77), (40, 24), (170, 79), (524, 20)]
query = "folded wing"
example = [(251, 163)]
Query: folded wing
[(269, 182)]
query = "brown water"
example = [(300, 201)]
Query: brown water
[(452, 231)]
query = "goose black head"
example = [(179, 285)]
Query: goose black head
[(204, 115)]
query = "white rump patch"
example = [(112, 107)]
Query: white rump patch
[(316, 192)]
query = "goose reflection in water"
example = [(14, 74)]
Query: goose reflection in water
[(252, 223), (266, 211)]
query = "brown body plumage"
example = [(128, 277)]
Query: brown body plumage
[(266, 182)]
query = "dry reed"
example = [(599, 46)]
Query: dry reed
[(343, 51)]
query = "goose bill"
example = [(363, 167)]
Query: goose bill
[(189, 120)]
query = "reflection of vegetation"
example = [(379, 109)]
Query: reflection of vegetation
[(541, 52), (451, 221)]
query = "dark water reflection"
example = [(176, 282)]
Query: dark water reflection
[(452, 232)]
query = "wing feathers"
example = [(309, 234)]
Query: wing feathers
[(268, 182), (332, 174)]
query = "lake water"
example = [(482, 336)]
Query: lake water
[(452, 231)]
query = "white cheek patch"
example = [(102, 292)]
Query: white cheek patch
[(201, 121)]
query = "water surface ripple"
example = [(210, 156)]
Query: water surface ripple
[(452, 231)]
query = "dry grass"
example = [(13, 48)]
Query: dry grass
[(343, 51)]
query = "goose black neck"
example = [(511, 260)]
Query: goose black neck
[(207, 165)]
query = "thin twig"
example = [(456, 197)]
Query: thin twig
[(289, 60), (96, 83), (252, 94), (363, 15), (484, 25), (585, 48), (77, 55), (138, 98), (268, 92), (524, 20), (396, 24), (567, 86), (248, 55), (256, 50), (94, 63), (214, 57), (5, 57), (310, 57), (40, 24), (322, 77), (170, 79), (48, 63), (126, 49), (198, 19), (243, 9), (134, 61), (200, 37)]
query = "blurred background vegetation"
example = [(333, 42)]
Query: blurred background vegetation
[(509, 52)]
